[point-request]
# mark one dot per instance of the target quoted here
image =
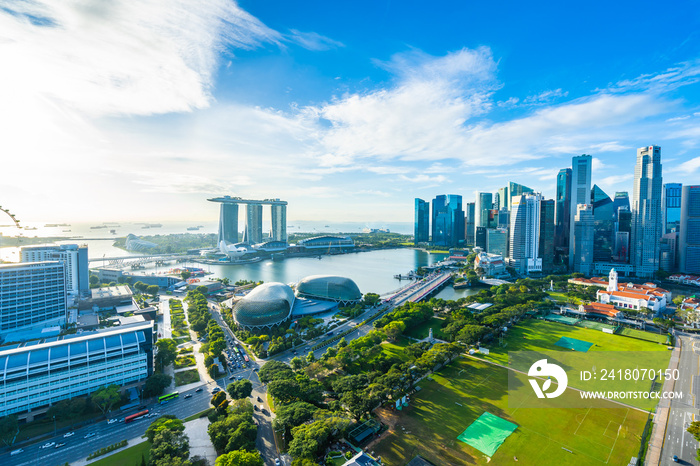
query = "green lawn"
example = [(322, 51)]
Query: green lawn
[(185, 361), (129, 457), (421, 331), (185, 377), (639, 334), (433, 421)]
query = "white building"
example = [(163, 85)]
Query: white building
[(34, 376), (490, 264), (631, 296), (73, 256), (525, 233)]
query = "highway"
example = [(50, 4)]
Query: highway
[(677, 440)]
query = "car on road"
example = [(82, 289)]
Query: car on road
[(200, 389), (112, 421), (260, 399), (255, 407), (675, 458), (277, 462), (189, 395), (17, 452), (48, 445), (233, 377), (68, 434), (59, 445), (263, 410), (90, 435), (216, 390)]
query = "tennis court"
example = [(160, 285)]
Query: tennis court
[(487, 433), (595, 325), (561, 319), (574, 344)]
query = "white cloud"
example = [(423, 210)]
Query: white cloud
[(683, 74), (691, 166), (613, 180), (121, 57), (313, 41), (545, 97)]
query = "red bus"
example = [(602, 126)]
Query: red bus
[(128, 419), (245, 357)]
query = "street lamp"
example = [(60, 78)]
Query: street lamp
[(54, 426)]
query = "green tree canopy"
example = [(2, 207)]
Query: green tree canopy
[(106, 397), (9, 428), (170, 448), (156, 384), (167, 352), (275, 370), (165, 422), (240, 389), (240, 458)]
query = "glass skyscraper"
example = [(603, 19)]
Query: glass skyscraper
[(580, 194), (421, 224), (646, 212), (448, 220), (603, 225), (689, 241), (547, 208), (671, 207)]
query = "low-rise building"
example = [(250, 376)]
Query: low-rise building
[(599, 309), (490, 264), (633, 296)]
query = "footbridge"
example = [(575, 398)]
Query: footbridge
[(141, 259)]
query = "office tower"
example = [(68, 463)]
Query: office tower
[(73, 256), (525, 233), (496, 201), (562, 213), (497, 241), (440, 221), (32, 295), (689, 240), (546, 248), (582, 251), (646, 212), (421, 224), (228, 223), (503, 219), (669, 251), (623, 228), (492, 221), (671, 207), (455, 232), (503, 198), (278, 222), (253, 224), (469, 223), (515, 189), (484, 203), (480, 238), (621, 201), (603, 225), (580, 193), (49, 370)]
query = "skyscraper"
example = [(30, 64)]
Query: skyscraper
[(546, 248), (497, 241), (582, 251), (228, 223), (484, 203), (646, 211), (73, 256), (621, 201), (421, 224), (440, 221), (253, 224), (580, 193), (689, 241), (469, 223), (562, 213), (603, 225), (455, 235), (671, 207), (278, 220), (525, 233), (503, 198)]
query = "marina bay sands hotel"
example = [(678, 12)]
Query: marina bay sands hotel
[(253, 234)]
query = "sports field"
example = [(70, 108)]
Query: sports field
[(433, 421)]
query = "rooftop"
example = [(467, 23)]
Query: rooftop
[(120, 291)]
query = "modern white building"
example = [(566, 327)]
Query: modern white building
[(73, 256), (34, 375), (525, 233), (32, 296)]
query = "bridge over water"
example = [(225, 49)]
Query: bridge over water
[(141, 259)]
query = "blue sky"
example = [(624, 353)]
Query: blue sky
[(143, 110)]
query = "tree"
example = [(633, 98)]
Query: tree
[(156, 384), (94, 279), (153, 290), (165, 422), (185, 274), (106, 397), (296, 363), (240, 389), (310, 357), (394, 329), (273, 370), (213, 371), (694, 428), (167, 352), (371, 299), (217, 398), (9, 428), (203, 290), (240, 458), (170, 448), (140, 286)]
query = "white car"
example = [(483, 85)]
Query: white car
[(91, 434), (69, 434), (112, 421), (48, 445), (277, 462)]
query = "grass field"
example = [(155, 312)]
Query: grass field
[(432, 422), (185, 361), (129, 457), (653, 337), (562, 297), (185, 377), (421, 331)]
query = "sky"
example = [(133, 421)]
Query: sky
[(348, 110)]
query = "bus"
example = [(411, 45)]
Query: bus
[(245, 357), (237, 350), (128, 419), (170, 396)]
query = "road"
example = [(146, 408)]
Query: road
[(78, 447), (683, 411)]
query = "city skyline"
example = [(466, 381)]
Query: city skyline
[(368, 107)]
